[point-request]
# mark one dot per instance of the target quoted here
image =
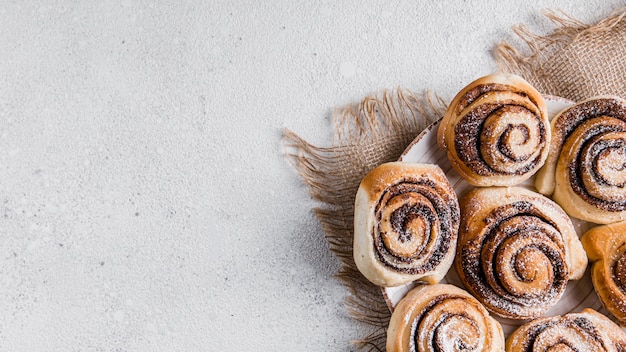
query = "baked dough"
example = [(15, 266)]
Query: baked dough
[(606, 248), (584, 331), (496, 131), (585, 171), (442, 318), (517, 249), (406, 220)]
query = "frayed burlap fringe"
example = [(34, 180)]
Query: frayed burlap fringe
[(576, 61), (369, 133)]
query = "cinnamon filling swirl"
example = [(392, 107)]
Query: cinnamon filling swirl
[(584, 331), (578, 113), (415, 226), (406, 221), (519, 264), (496, 131), (449, 323), (500, 139), (566, 334), (598, 174), (442, 317), (517, 251), (471, 95), (587, 162)]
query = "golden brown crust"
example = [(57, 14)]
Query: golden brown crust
[(442, 318), (585, 170), (606, 247), (496, 131), (406, 221), (517, 249), (584, 331)]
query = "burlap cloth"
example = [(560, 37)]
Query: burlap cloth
[(575, 61)]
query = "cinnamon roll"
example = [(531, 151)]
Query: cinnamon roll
[(517, 249), (606, 249), (496, 131), (584, 331), (406, 220), (586, 168), (442, 318)]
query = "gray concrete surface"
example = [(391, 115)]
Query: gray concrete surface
[(145, 203)]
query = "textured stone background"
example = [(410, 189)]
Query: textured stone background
[(145, 203)]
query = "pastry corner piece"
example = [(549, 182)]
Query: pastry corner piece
[(606, 247), (516, 251), (584, 171), (406, 219), (496, 131), (584, 331), (442, 317)]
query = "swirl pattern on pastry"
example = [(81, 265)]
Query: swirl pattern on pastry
[(586, 168), (496, 131), (406, 221), (517, 249), (584, 331), (442, 317), (606, 248)]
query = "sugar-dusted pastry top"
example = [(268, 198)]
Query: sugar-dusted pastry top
[(496, 131), (517, 249), (406, 220), (606, 247), (585, 170), (584, 331), (442, 317)]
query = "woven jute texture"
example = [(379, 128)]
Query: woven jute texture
[(575, 61)]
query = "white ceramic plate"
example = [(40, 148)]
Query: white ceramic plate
[(424, 149)]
